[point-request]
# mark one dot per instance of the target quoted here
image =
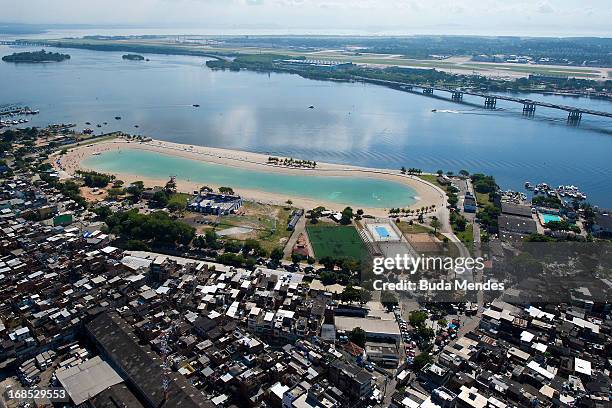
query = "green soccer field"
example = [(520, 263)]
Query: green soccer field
[(335, 241)]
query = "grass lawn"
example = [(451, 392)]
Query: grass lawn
[(433, 179), (483, 199), (467, 236), (269, 223), (335, 241), (415, 228), (180, 197)]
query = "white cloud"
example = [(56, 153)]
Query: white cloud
[(546, 8)]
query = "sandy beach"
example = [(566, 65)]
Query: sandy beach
[(426, 193)]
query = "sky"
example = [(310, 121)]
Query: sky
[(366, 17)]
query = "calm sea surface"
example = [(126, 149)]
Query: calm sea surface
[(356, 124)]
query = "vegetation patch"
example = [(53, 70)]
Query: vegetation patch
[(336, 242)]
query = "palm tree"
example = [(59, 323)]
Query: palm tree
[(435, 224)]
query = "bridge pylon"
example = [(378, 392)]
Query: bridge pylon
[(529, 108), (490, 102), (574, 117)]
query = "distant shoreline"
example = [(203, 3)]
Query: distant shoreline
[(427, 193)]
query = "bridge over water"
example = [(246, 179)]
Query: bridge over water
[(490, 100)]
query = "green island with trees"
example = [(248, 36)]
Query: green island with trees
[(36, 57)]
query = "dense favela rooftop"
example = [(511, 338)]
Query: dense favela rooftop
[(165, 329)]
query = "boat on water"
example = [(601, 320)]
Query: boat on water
[(311, 107), (570, 191), (117, 117), (434, 110), (195, 105)]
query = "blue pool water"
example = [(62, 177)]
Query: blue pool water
[(550, 217), (382, 232)]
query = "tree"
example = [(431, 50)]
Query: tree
[(366, 296), (388, 299), (435, 224), (358, 336), (252, 246), (464, 173), (136, 245), (277, 254), (328, 277), (177, 203), (115, 192), (347, 215), (327, 261), (160, 198), (422, 360), (232, 246), (135, 189), (417, 318), (226, 190), (351, 294), (102, 212), (484, 184), (95, 179)]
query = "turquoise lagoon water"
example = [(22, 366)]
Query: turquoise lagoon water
[(550, 217), (357, 191)]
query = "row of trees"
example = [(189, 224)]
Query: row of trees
[(408, 211), (411, 170), (95, 179), (291, 162)]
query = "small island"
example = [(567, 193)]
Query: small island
[(36, 57), (133, 57)]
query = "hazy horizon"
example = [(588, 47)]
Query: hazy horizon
[(343, 17)]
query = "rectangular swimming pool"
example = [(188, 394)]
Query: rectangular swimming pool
[(382, 232), (550, 217)]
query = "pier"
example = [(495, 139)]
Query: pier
[(490, 100)]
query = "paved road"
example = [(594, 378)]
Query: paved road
[(300, 227)]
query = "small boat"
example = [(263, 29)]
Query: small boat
[(311, 107), (117, 117), (88, 123), (195, 105), (99, 125), (136, 126), (434, 110)]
